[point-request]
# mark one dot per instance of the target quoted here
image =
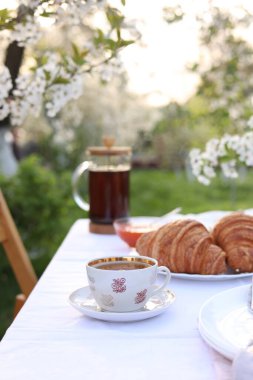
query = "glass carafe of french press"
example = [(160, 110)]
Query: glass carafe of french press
[(108, 170)]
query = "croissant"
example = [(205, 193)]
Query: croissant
[(234, 234), (184, 246)]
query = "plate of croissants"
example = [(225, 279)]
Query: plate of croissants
[(192, 251)]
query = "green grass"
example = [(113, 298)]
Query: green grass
[(154, 193)]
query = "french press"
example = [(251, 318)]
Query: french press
[(108, 170)]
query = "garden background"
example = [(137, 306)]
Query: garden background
[(47, 150)]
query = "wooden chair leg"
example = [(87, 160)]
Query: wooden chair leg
[(20, 300)]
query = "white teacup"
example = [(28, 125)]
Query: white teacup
[(122, 284)]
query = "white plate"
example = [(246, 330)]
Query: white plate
[(225, 322), (82, 300), (210, 277), (226, 349)]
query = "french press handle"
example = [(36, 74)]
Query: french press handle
[(83, 167)]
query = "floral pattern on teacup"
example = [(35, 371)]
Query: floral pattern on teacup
[(118, 285), (107, 300), (141, 296)]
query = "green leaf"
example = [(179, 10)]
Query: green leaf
[(123, 2), (48, 75), (79, 55), (84, 53), (6, 21), (99, 37), (110, 44), (114, 17), (47, 14), (4, 15), (123, 43), (75, 49), (44, 60), (79, 60), (61, 80)]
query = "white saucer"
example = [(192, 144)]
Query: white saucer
[(82, 300)]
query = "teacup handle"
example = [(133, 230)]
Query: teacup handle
[(75, 180), (166, 271)]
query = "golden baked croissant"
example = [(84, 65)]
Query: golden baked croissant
[(184, 246), (234, 234)]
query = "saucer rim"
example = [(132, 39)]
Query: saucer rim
[(120, 316)]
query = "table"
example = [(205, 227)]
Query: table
[(49, 339)]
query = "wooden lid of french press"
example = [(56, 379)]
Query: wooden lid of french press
[(108, 148)]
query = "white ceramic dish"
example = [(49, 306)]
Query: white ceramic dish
[(210, 277), (226, 350), (82, 300), (225, 322)]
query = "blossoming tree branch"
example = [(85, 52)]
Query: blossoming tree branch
[(225, 89), (226, 154), (33, 77)]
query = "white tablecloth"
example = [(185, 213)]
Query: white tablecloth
[(50, 340)]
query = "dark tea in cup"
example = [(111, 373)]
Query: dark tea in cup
[(123, 265)]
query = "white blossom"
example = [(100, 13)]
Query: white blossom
[(204, 180), (250, 122), (111, 69), (57, 79), (26, 32), (226, 153), (60, 94), (5, 87), (131, 27), (5, 83), (4, 109), (72, 12), (209, 171), (229, 169), (51, 83), (28, 96), (19, 110)]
